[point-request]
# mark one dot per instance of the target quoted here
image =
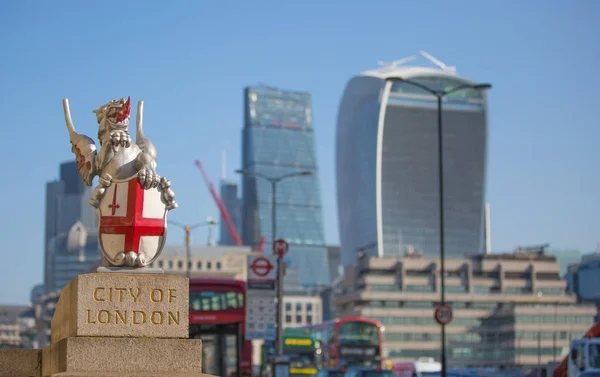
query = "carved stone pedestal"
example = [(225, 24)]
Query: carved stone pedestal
[(118, 324)]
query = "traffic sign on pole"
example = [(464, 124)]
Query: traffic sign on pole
[(443, 314), (280, 247), (262, 272), (260, 297), (261, 266)]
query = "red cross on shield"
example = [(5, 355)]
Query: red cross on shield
[(132, 220)]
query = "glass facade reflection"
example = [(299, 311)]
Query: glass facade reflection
[(231, 201), (406, 155), (278, 139)]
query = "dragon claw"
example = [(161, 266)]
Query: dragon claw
[(148, 178)]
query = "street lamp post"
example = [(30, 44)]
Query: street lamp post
[(440, 94), (274, 181), (188, 229)]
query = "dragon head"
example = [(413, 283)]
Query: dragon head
[(112, 116)]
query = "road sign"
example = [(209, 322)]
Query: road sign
[(261, 266), (262, 272), (443, 314), (260, 298), (280, 247), (260, 314)]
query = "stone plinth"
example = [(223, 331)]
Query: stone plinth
[(123, 305), (109, 324), (122, 355), (20, 363)]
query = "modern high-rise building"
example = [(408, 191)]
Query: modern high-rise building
[(71, 236), (277, 140), (387, 164), (231, 201)]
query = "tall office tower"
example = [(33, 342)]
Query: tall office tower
[(70, 241), (387, 164), (231, 201), (277, 140)]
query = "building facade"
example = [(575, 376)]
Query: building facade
[(70, 242), (301, 306), (231, 201), (278, 139), (583, 279), (510, 310), (387, 164), (335, 261), (10, 334)]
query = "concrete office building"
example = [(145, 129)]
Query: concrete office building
[(502, 304), (10, 335), (387, 164), (583, 280), (230, 262)]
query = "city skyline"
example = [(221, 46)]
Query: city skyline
[(541, 182)]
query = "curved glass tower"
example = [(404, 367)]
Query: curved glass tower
[(387, 164)]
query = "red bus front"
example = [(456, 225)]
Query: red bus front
[(350, 342), (217, 316)]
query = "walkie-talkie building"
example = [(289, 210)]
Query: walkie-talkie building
[(387, 164)]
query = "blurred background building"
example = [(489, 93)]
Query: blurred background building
[(71, 236), (278, 139), (510, 310), (387, 164)]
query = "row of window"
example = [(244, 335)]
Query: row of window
[(535, 335), (480, 338), (462, 273), (550, 318), (462, 289), (289, 317), (475, 353), (422, 337), (299, 306), (426, 320), (198, 265), (429, 304)]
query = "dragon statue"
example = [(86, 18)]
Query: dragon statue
[(118, 160)]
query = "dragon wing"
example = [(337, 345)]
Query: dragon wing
[(83, 147), (144, 143)]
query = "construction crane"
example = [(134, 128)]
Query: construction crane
[(235, 237)]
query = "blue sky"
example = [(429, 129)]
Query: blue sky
[(189, 61)]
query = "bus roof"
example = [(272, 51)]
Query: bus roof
[(348, 319), (221, 282)]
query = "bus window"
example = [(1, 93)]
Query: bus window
[(216, 300), (358, 333)]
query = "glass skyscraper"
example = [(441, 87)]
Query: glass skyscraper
[(231, 201), (278, 139), (387, 164), (71, 229)]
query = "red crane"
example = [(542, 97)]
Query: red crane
[(224, 214), (223, 210)]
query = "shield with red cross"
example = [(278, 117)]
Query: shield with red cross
[(132, 220)]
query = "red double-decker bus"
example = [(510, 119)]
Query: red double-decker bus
[(217, 316), (349, 342)]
